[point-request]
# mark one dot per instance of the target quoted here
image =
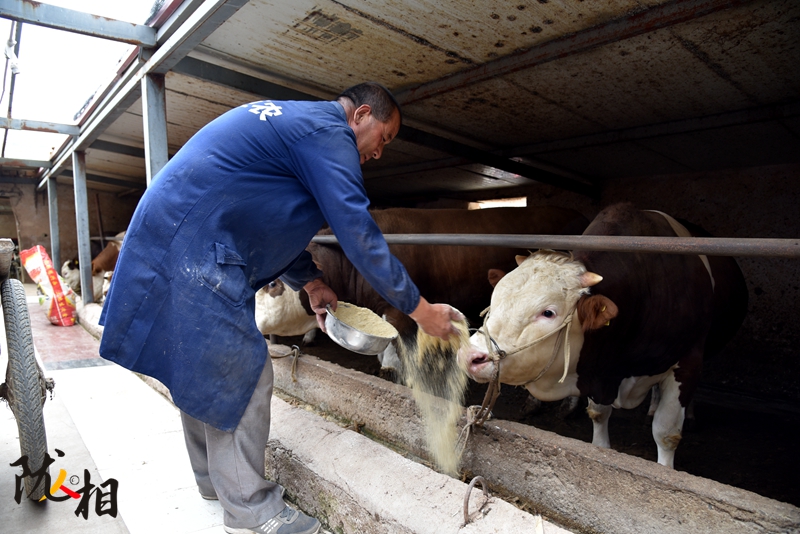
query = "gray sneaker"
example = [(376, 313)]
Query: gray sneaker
[(289, 521)]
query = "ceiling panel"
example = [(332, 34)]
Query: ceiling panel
[(502, 112), (614, 161), (747, 145), (656, 88), (753, 46)]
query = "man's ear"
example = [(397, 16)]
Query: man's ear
[(361, 113), (596, 311), (495, 275)]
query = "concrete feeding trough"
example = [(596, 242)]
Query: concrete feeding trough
[(574, 484)]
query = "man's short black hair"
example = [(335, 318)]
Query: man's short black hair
[(378, 97)]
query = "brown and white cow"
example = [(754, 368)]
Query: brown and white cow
[(106, 261), (72, 276), (611, 325), (279, 312), (102, 268), (455, 275)]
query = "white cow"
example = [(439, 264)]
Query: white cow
[(279, 312), (72, 276)]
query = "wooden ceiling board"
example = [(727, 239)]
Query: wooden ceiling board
[(747, 145), (644, 80), (102, 162), (755, 46), (209, 92), (503, 113), (614, 161)]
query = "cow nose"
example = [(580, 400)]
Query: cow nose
[(476, 355)]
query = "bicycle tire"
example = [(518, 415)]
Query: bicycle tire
[(25, 383)]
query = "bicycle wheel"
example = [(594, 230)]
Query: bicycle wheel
[(25, 383)]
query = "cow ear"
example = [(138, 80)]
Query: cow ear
[(520, 259), (495, 275), (596, 311)]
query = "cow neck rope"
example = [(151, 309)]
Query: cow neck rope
[(493, 390)]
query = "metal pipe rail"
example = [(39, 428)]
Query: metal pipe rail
[(710, 246)]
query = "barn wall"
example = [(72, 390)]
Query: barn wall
[(33, 220), (749, 203)]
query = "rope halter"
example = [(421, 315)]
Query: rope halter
[(492, 348)]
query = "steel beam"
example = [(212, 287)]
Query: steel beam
[(710, 246), (117, 148), (154, 117), (17, 180), (722, 120), (207, 17), (626, 27), (498, 162), (39, 126), (106, 180), (203, 70), (52, 209), (60, 18), (33, 163), (82, 225), (200, 24)]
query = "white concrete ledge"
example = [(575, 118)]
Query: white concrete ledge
[(358, 486)]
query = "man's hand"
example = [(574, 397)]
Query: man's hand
[(319, 296), (435, 319)]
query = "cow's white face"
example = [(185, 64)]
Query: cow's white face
[(528, 303), (280, 312)]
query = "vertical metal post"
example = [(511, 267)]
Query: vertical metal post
[(52, 206), (154, 115), (100, 222), (82, 225)]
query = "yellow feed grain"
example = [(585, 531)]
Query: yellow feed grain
[(438, 383), (364, 320)]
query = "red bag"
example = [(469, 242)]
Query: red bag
[(56, 296)]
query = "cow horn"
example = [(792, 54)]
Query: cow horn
[(588, 279), (520, 259)]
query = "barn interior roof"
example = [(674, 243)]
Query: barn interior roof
[(497, 96)]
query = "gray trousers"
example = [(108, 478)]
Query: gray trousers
[(230, 465)]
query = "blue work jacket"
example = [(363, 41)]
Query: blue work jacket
[(233, 210)]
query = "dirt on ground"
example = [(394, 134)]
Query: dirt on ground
[(749, 449)]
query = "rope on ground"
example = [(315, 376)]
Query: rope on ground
[(472, 414), (295, 357), (295, 354)]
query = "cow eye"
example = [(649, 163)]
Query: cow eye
[(272, 284), (548, 314)]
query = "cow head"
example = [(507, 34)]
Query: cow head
[(280, 312), (534, 309)]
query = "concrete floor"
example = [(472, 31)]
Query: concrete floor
[(108, 422)]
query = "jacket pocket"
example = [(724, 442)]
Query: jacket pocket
[(222, 273)]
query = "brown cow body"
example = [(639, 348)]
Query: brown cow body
[(455, 275), (102, 267), (649, 320)]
